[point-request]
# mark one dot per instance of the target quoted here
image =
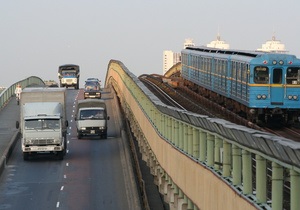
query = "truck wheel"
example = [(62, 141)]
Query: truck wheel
[(79, 136)]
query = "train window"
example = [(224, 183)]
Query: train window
[(261, 75), (277, 76), (233, 70), (244, 72), (293, 75)]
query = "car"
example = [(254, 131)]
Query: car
[(92, 89)]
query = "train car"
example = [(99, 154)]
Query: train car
[(262, 87)]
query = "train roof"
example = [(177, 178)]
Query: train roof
[(227, 51)]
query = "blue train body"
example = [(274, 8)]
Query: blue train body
[(261, 86)]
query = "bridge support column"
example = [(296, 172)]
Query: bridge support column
[(226, 159), (152, 163), (210, 150), (185, 138), (237, 165), (195, 143), (217, 159), (190, 205), (156, 174), (169, 193), (169, 128), (261, 179), (173, 135), (174, 205), (176, 133), (161, 180), (163, 125), (277, 186), (247, 172), (295, 189), (190, 140), (181, 135), (203, 146), (182, 202)]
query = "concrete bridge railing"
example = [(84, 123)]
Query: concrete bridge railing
[(206, 163), (6, 94)]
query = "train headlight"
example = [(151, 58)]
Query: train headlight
[(274, 62), (295, 97), (258, 96), (281, 62), (290, 97), (264, 96)]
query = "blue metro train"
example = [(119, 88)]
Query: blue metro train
[(262, 87)]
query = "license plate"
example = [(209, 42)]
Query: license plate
[(92, 131), (42, 149)]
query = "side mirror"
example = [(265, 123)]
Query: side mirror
[(107, 117), (17, 124)]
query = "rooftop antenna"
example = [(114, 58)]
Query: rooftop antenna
[(218, 36), (273, 37)]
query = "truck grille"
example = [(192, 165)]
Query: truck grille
[(42, 141)]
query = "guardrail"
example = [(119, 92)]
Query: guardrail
[(6, 94), (207, 163)]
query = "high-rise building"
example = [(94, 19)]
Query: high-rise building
[(273, 46), (218, 43), (170, 58), (188, 43)]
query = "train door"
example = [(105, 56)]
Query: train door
[(276, 87)]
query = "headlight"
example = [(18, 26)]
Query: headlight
[(264, 96), (83, 128), (258, 96), (290, 97), (295, 97), (56, 141)]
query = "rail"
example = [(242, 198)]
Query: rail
[(206, 163), (6, 94)]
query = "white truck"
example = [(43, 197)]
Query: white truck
[(68, 75), (43, 123), (91, 118)]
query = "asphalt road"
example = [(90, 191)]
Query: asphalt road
[(95, 174)]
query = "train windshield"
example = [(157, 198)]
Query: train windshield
[(261, 75), (293, 76)]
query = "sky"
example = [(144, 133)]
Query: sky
[(36, 36)]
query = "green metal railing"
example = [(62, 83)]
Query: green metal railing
[(6, 94), (255, 164)]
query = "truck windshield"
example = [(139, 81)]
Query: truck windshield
[(41, 124), (68, 73), (93, 114)]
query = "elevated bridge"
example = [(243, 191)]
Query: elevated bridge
[(200, 162), (205, 163)]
